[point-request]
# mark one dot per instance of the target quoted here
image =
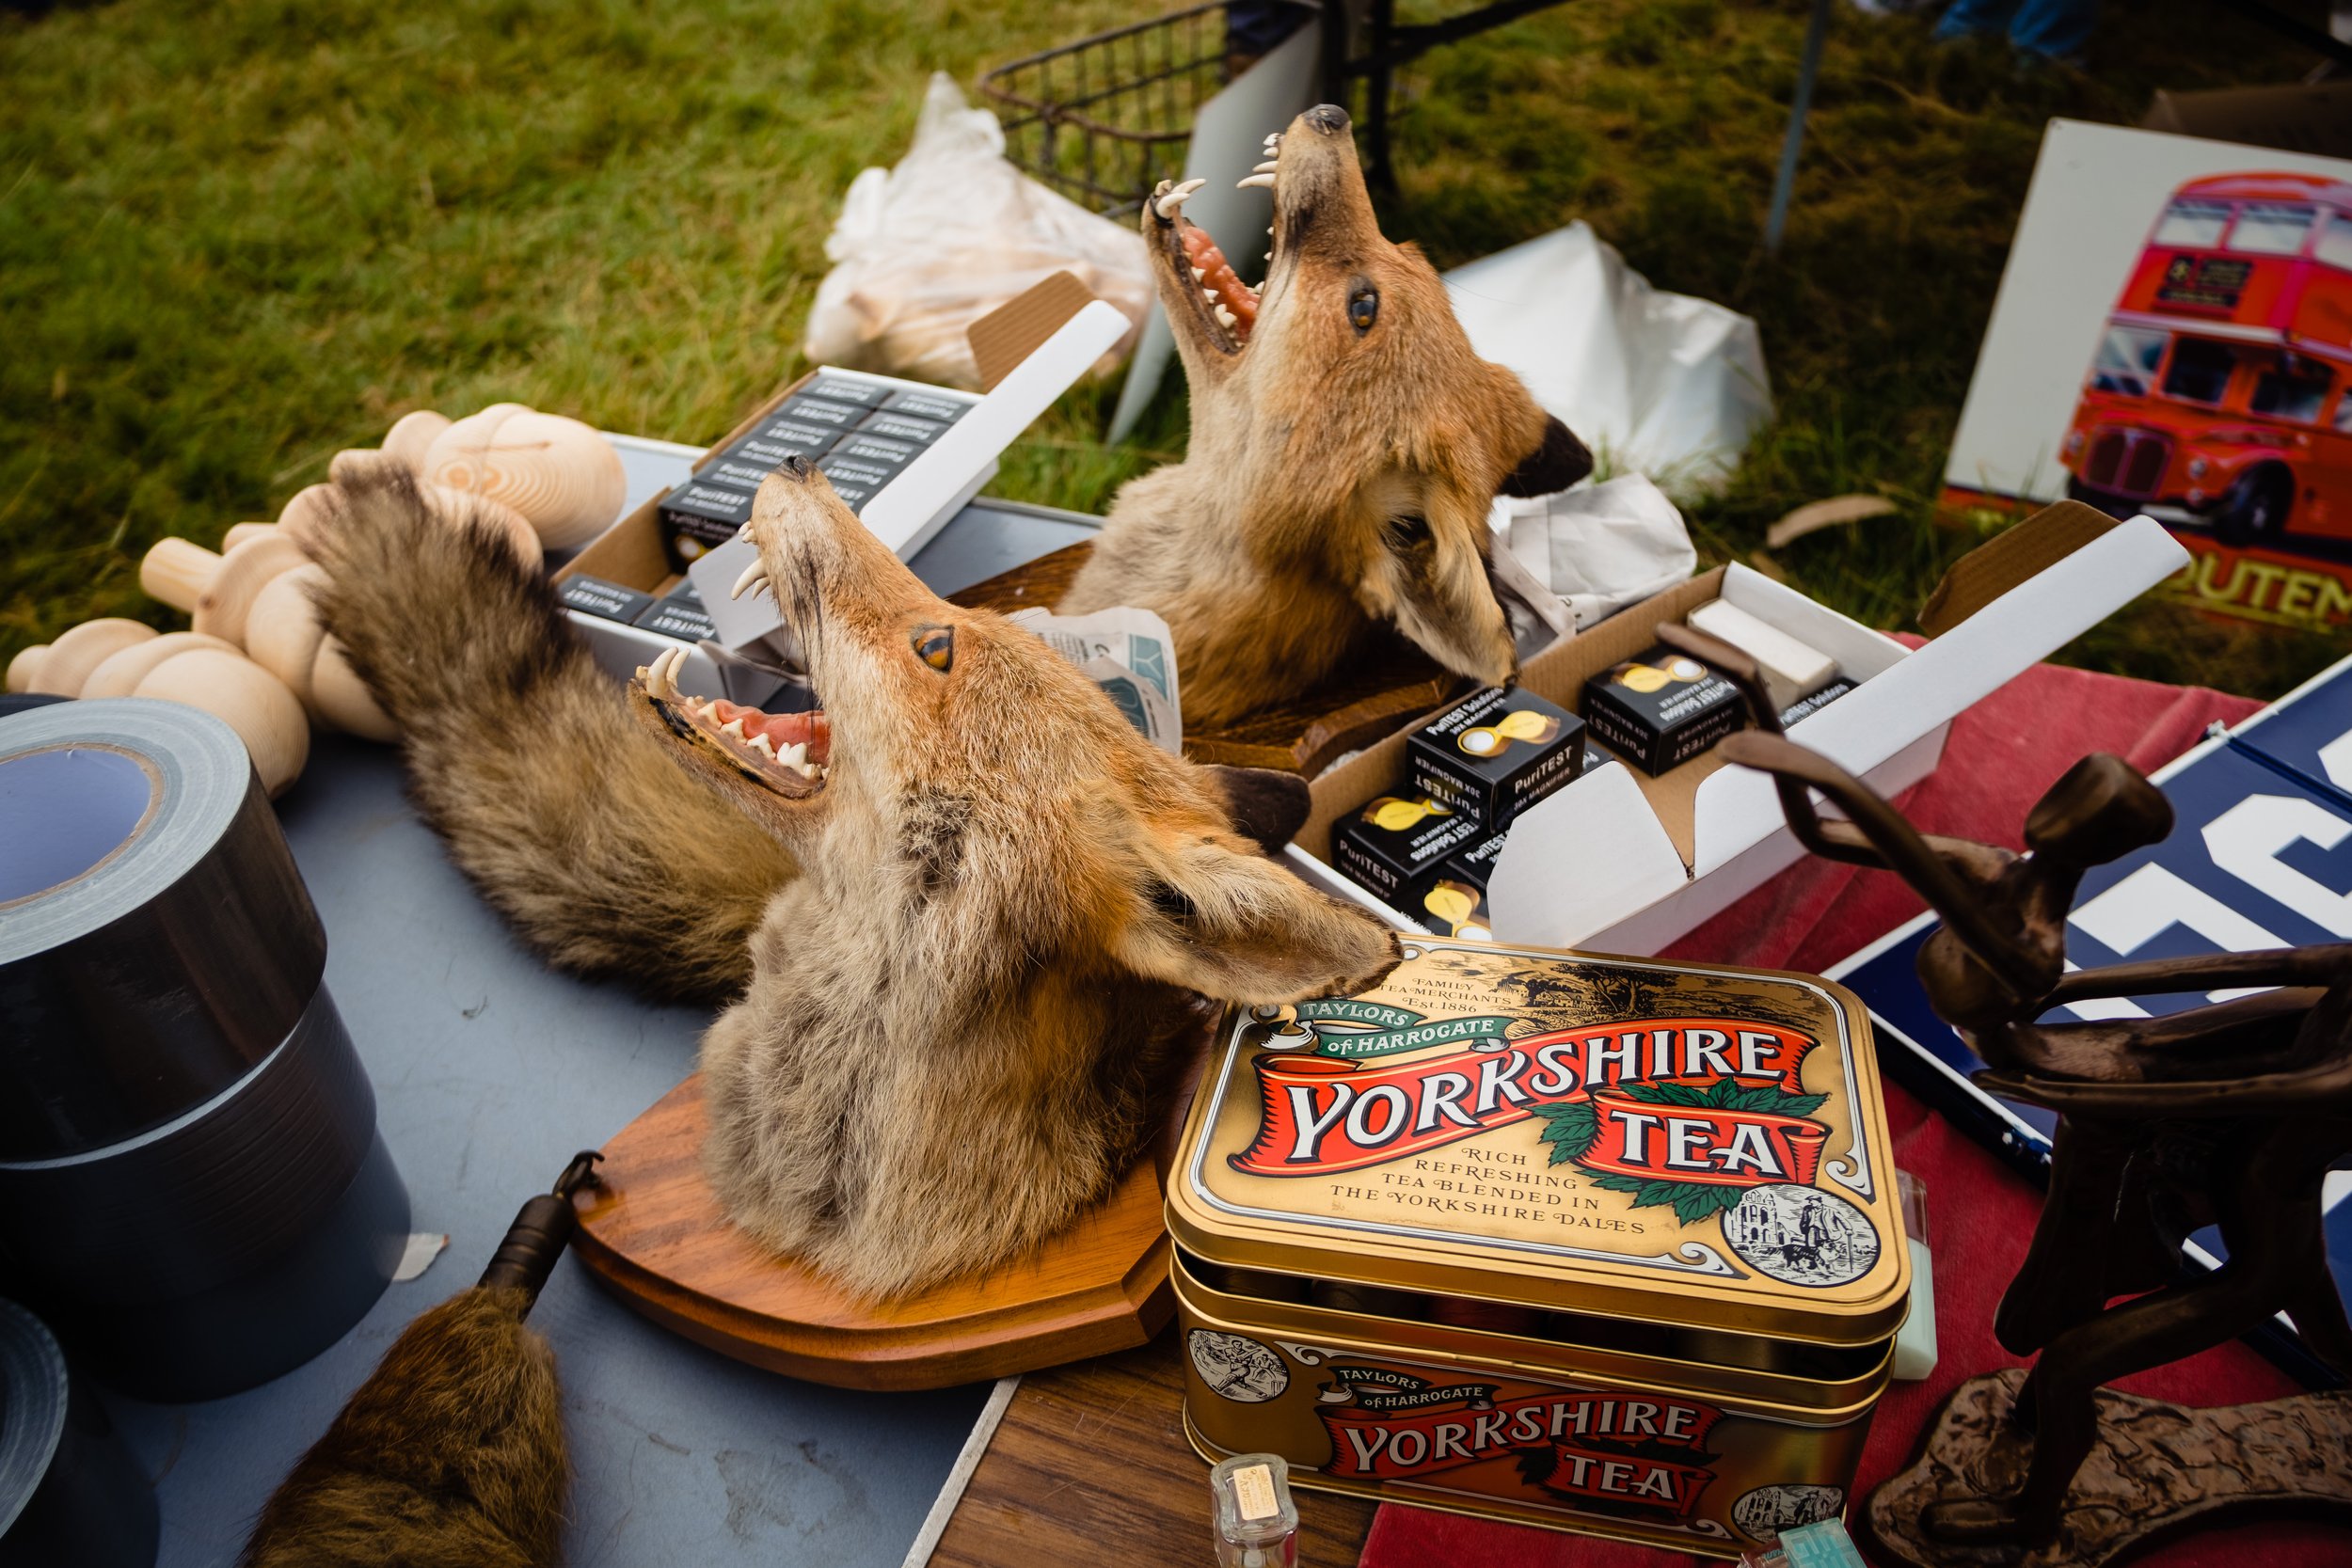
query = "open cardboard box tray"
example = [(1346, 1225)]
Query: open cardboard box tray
[(1620, 862), (1029, 351)]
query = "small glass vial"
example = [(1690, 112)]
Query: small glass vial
[(1256, 1521)]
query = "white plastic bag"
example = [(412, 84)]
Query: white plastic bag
[(925, 249), (1659, 383)]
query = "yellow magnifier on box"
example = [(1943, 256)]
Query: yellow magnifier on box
[(1526, 724), (1650, 678), (1393, 816), (1455, 905)]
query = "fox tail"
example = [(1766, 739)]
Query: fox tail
[(603, 852)]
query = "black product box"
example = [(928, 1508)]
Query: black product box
[(795, 437), (698, 516), (596, 596), (845, 388), (808, 408), (1495, 754), (942, 406), (737, 473), (881, 450), (856, 470), (680, 615), (853, 494), (1814, 701), (1661, 709), (903, 427), (1455, 904), (1396, 846)]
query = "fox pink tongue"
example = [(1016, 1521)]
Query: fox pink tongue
[(810, 728), (1219, 280)]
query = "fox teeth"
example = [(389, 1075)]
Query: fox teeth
[(1273, 140), (1173, 203), (743, 533), (733, 727), (764, 746), (1256, 181), (1224, 317), (1262, 168), (1199, 273), (755, 577), (660, 676), (795, 754)]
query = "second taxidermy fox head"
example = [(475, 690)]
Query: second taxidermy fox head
[(1346, 444)]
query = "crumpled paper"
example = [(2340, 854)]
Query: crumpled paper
[(1599, 547)]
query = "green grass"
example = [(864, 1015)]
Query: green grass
[(237, 238)]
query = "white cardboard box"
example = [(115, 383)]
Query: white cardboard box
[(1621, 863)]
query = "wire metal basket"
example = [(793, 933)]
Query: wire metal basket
[(1106, 118)]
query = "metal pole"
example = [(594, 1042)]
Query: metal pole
[(1785, 186)]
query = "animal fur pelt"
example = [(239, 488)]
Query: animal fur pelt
[(570, 820), (450, 1455), (1346, 444), (1011, 913)]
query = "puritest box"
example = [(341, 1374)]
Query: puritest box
[(1624, 862), (1496, 752)]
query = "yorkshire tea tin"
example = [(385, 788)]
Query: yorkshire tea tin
[(1605, 1244)]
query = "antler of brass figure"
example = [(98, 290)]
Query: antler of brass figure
[(2229, 1114)]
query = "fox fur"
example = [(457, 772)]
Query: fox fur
[(960, 971), (450, 1455), (1342, 463)]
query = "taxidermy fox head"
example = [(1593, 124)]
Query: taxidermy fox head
[(1010, 911), (1346, 444)]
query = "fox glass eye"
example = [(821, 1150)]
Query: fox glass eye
[(936, 646), (1363, 308)]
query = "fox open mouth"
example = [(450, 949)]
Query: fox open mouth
[(1226, 306), (790, 754)]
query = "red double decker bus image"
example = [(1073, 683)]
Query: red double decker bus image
[(2221, 397)]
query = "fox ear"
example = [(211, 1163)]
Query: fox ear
[(1266, 807), (1558, 463), (1239, 927)]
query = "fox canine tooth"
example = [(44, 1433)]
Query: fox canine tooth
[(1256, 181), (755, 576), (1168, 205), (1262, 168)]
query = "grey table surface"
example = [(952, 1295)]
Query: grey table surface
[(489, 1071)]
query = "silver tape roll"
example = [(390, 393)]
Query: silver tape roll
[(69, 1490), (156, 942), (191, 1183)]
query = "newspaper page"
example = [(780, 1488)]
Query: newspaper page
[(1130, 655)]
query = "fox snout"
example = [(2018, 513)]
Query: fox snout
[(1329, 119)]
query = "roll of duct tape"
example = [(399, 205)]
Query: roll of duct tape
[(156, 942), (70, 1491), (191, 1184)]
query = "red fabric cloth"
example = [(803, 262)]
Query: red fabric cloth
[(2002, 754)]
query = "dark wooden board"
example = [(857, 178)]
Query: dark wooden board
[(1091, 1465), (652, 1232), (1372, 698)]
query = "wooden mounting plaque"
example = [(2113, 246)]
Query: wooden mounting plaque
[(1396, 683), (654, 1234)]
